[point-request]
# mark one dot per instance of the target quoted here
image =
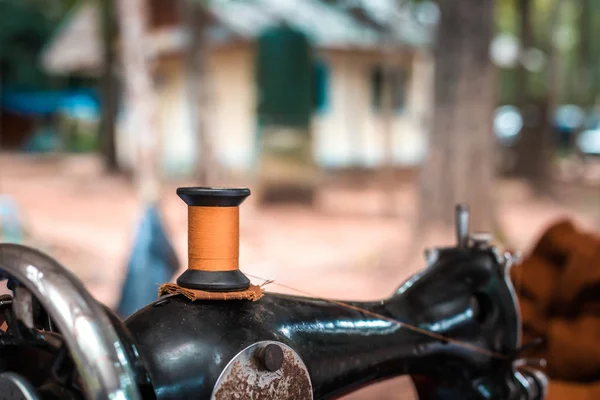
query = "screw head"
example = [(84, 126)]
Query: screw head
[(271, 357)]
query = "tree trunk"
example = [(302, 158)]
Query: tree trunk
[(586, 67), (535, 147), (199, 93), (529, 162), (1, 112), (547, 144), (460, 164), (387, 108), (593, 35), (109, 87), (526, 39), (141, 99)]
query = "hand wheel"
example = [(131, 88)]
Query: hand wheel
[(98, 352)]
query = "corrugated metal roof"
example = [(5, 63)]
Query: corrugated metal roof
[(244, 18), (76, 47), (400, 19), (326, 25)]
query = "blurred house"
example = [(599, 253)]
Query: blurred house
[(347, 121)]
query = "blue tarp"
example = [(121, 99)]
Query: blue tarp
[(49, 102), (11, 227), (43, 140), (152, 262)]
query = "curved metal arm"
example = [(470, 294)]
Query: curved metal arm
[(97, 352)]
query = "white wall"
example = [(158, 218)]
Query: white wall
[(338, 129), (177, 141), (351, 132), (233, 117), (421, 102)]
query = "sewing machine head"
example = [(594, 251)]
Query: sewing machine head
[(454, 327)]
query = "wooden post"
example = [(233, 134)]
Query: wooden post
[(387, 112), (140, 96), (109, 86), (526, 39), (585, 81), (547, 144), (152, 258), (199, 91)]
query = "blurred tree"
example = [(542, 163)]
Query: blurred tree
[(23, 34), (585, 50), (53, 10), (524, 15), (199, 93), (108, 85), (507, 23), (460, 162), (26, 25), (588, 57), (140, 95), (553, 75), (388, 50), (594, 44), (537, 89), (530, 163), (152, 260), (539, 157)]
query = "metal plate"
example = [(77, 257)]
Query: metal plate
[(245, 378), (15, 387)]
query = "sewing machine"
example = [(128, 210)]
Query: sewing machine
[(454, 328)]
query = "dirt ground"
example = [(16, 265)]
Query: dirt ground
[(343, 248)]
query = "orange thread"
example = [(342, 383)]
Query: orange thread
[(213, 238)]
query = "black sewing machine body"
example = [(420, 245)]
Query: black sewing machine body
[(454, 327), (458, 296)]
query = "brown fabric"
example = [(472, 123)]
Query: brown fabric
[(573, 391), (573, 349), (536, 282), (534, 325), (559, 290), (253, 293)]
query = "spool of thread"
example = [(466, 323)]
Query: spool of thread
[(213, 239)]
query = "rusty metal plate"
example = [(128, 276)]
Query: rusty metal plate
[(245, 378)]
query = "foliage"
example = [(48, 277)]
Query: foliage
[(569, 29), (25, 27)]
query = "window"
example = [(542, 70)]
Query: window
[(398, 83), (284, 72), (321, 86), (377, 88)]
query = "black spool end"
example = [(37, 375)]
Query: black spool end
[(213, 197), (214, 281)]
